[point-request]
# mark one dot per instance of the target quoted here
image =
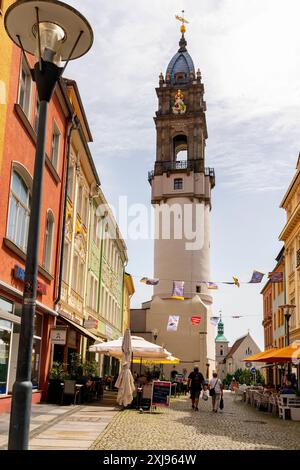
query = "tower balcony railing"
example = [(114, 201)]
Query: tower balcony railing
[(174, 166)]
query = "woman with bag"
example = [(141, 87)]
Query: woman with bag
[(215, 391)]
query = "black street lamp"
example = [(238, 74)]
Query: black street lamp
[(155, 332), (53, 32), (288, 310)]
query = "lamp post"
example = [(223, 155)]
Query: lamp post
[(155, 332), (53, 32), (288, 310)]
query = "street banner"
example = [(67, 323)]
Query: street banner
[(214, 320), (178, 290), (149, 281), (173, 323), (276, 276), (256, 277), (195, 320)]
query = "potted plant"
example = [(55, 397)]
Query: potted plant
[(56, 375)]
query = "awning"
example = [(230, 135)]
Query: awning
[(82, 330), (259, 356), (290, 353)]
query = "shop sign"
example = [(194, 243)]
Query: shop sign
[(161, 392), (59, 335), (90, 323), (19, 273)]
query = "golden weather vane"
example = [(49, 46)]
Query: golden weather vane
[(183, 21)]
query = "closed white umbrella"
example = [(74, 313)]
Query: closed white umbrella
[(125, 382)]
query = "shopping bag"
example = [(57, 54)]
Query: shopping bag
[(221, 404)]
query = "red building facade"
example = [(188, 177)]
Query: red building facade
[(15, 198)]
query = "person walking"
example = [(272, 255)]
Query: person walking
[(195, 383), (215, 391)]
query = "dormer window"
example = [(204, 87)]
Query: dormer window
[(178, 183)]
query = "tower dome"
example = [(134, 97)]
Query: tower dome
[(181, 65)]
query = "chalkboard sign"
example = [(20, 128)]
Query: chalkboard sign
[(161, 392)]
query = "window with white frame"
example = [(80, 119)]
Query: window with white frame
[(79, 200), (75, 272), (19, 211), (93, 292), (292, 260), (80, 281), (25, 87), (71, 173), (55, 146), (36, 113), (96, 237), (48, 241), (84, 211), (66, 261)]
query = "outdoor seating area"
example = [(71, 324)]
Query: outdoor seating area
[(285, 406)]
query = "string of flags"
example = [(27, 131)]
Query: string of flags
[(195, 320), (178, 286)]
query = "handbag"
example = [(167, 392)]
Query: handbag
[(221, 404), (212, 391)]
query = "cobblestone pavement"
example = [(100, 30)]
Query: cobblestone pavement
[(237, 427)]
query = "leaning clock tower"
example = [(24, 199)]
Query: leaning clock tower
[(181, 187)]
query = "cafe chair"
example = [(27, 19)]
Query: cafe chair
[(70, 390)]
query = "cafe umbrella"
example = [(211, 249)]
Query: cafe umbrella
[(125, 382), (141, 349)]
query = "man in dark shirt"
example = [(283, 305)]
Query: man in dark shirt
[(195, 382), (173, 374)]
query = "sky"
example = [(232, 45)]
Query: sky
[(249, 57)]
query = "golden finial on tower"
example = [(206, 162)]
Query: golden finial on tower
[(183, 21)]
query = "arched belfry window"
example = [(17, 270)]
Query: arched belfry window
[(180, 146)]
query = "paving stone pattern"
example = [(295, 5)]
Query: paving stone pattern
[(237, 427)]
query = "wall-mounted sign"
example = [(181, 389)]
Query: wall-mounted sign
[(59, 335), (90, 323), (19, 273)]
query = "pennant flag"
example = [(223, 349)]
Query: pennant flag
[(173, 323), (276, 276), (150, 282), (236, 281), (195, 320), (214, 320), (256, 277), (212, 285), (178, 289)]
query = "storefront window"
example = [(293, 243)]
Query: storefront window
[(5, 342), (36, 351)]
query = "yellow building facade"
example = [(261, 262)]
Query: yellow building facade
[(129, 290), (6, 48), (290, 235)]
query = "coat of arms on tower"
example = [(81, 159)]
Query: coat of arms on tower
[(179, 106)]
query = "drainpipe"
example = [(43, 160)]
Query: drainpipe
[(74, 125)]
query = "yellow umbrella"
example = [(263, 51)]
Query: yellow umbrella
[(260, 356), (290, 353), (167, 360)]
